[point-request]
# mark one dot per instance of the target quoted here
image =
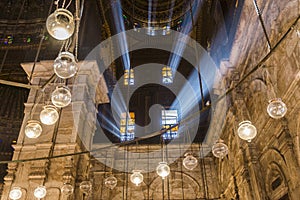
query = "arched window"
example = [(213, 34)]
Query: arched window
[(276, 183)]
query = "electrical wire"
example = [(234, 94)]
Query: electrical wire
[(40, 45), (261, 62), (182, 122)]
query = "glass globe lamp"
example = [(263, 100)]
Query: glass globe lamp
[(190, 162), (219, 149), (67, 189), (49, 115), (33, 129), (111, 182), (15, 193), (40, 192), (247, 130), (163, 170), (65, 65), (85, 186), (136, 178), (276, 108), (60, 24), (61, 97)]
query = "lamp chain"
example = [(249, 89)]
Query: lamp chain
[(63, 4)]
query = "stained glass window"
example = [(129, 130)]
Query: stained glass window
[(169, 119), (167, 76), (127, 132), (127, 78)]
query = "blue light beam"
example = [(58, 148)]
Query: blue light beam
[(187, 25)]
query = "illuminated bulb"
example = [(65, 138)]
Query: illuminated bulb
[(15, 193), (40, 192), (33, 129), (276, 108), (60, 24), (49, 115), (163, 170), (111, 182), (219, 149), (190, 162), (136, 178), (247, 131), (65, 65), (61, 97), (67, 189), (85, 186)]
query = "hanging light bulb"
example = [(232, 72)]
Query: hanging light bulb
[(49, 115), (190, 162), (65, 65), (33, 129), (219, 149), (276, 108), (40, 192), (60, 24), (85, 186), (15, 193), (136, 177), (247, 130), (163, 170), (61, 97), (111, 182), (67, 189)]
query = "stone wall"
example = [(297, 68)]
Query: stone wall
[(268, 167), (199, 183), (71, 134)]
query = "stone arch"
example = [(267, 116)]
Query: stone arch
[(275, 173), (258, 85), (276, 183), (183, 184), (126, 189)]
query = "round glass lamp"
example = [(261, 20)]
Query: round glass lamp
[(219, 149), (276, 108), (61, 97), (33, 129), (85, 186), (111, 182), (190, 162), (136, 178), (40, 192), (163, 170), (60, 24), (15, 193), (49, 115), (67, 189), (65, 65), (247, 130)]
